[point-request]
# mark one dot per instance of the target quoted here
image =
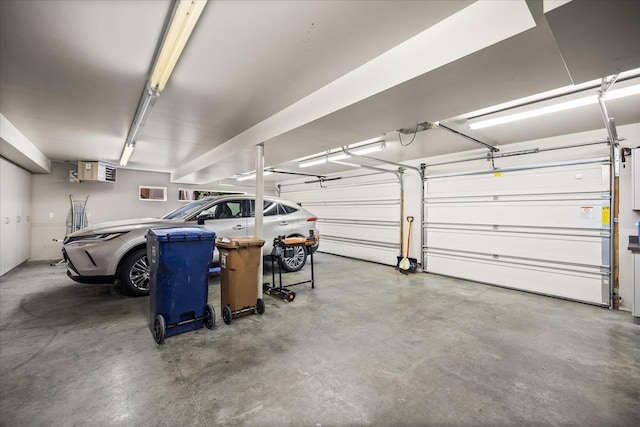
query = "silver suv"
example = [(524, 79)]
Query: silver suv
[(104, 253)]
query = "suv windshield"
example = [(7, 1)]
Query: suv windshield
[(189, 209)]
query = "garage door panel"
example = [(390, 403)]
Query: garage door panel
[(580, 250), (567, 179), (579, 286), (561, 214), (344, 190), (356, 231), (374, 253), (382, 191), (380, 211)]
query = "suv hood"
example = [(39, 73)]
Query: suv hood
[(125, 225)]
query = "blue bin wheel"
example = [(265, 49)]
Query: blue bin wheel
[(260, 306), (209, 316), (159, 328), (226, 314)]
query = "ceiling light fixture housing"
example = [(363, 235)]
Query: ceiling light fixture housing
[(526, 111), (184, 16), (252, 175), (145, 107), (337, 154)]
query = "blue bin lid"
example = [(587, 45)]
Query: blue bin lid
[(175, 234)]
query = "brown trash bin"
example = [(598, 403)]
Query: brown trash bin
[(239, 263)]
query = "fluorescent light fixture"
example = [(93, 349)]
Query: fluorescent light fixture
[(367, 142), (371, 149), (145, 107), (184, 16), (368, 150), (313, 162), (554, 93), (184, 19), (252, 175), (580, 102), (621, 93), (344, 163), (333, 156), (126, 154)]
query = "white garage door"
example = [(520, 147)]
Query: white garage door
[(358, 216), (543, 229)]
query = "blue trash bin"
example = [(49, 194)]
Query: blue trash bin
[(179, 259)]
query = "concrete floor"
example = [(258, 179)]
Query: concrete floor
[(367, 346)]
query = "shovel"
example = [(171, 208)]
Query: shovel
[(407, 264)]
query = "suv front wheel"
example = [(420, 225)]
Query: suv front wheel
[(134, 273)]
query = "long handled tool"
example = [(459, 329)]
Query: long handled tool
[(405, 264)]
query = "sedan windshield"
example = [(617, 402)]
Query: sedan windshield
[(188, 209)]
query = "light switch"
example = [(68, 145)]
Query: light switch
[(50, 214)]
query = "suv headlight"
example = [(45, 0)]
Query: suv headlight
[(94, 237)]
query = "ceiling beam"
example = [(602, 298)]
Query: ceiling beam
[(16, 148), (475, 27)]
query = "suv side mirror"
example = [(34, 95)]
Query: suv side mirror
[(204, 216)]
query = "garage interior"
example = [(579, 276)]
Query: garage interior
[(509, 131)]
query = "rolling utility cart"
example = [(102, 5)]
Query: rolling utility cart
[(179, 259), (239, 263), (283, 247)]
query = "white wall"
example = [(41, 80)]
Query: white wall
[(107, 202)]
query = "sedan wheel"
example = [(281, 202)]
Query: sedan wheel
[(134, 273), (296, 261)]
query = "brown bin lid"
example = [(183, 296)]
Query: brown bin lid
[(238, 242)]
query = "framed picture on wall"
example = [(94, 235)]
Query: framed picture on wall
[(188, 195), (156, 194)]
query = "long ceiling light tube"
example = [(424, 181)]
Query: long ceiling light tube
[(145, 107), (338, 162), (183, 21), (184, 17), (339, 149), (127, 150), (551, 94), (330, 157), (313, 162), (580, 102), (252, 175)]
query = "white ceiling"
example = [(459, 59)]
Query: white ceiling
[(300, 76)]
